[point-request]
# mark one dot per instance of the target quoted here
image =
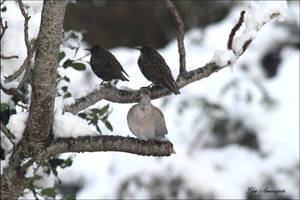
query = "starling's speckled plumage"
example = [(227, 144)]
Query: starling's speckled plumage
[(146, 121), (105, 65), (155, 69)]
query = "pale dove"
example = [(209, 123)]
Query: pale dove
[(146, 121)]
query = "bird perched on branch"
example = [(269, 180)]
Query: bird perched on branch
[(155, 69), (146, 121), (105, 65)]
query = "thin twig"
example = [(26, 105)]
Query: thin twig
[(15, 92), (8, 57), (235, 29), (3, 28), (8, 134), (26, 63), (180, 35)]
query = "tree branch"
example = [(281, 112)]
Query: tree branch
[(116, 95), (235, 29), (27, 61), (8, 57), (110, 143), (15, 92), (13, 181), (180, 35), (3, 27), (8, 134), (44, 75)]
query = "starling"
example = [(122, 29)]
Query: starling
[(155, 69), (105, 65), (146, 121)]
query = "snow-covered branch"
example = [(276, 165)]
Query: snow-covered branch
[(110, 143)]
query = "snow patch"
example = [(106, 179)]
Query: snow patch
[(69, 125)]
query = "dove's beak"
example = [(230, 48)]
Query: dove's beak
[(87, 49)]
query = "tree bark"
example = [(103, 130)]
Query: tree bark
[(44, 77), (40, 116), (110, 143)]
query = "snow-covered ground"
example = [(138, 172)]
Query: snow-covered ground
[(225, 172)]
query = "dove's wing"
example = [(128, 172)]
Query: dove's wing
[(160, 124)]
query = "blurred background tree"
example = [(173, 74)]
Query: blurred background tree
[(131, 23)]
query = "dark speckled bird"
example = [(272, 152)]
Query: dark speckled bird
[(105, 65), (155, 69)]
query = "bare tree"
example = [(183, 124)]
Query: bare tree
[(37, 143)]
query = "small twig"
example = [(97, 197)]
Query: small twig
[(81, 57), (3, 28), (235, 29), (24, 107), (8, 57), (8, 134), (15, 92), (26, 63), (180, 35)]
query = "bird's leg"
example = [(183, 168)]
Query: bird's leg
[(116, 82), (156, 86), (105, 84), (149, 86)]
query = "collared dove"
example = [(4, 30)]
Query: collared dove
[(146, 121)]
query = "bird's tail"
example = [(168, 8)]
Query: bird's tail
[(125, 72), (123, 78), (171, 84)]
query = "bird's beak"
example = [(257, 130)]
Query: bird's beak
[(87, 49), (138, 48)]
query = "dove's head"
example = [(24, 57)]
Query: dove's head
[(145, 97)]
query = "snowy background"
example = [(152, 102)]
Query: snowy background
[(203, 167)]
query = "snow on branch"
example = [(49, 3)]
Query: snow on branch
[(110, 143), (257, 15)]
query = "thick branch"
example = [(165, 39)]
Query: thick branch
[(40, 116), (180, 35), (109, 143), (44, 75)]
